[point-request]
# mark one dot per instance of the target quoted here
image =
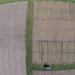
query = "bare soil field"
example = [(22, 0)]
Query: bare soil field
[(53, 52), (53, 32), (64, 72), (12, 38)]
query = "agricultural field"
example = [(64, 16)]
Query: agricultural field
[(53, 32), (67, 72), (53, 52), (38, 50), (12, 38)]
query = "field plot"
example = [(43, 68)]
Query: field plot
[(12, 38), (54, 32), (53, 52), (67, 72)]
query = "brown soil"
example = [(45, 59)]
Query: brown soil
[(52, 26), (64, 72), (35, 5), (35, 14)]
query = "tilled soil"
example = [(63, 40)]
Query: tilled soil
[(64, 72), (12, 38), (54, 27)]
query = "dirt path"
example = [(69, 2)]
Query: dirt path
[(12, 38)]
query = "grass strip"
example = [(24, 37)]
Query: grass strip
[(29, 29), (53, 67), (9, 1)]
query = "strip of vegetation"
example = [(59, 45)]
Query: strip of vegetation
[(53, 67), (9, 1), (29, 37)]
